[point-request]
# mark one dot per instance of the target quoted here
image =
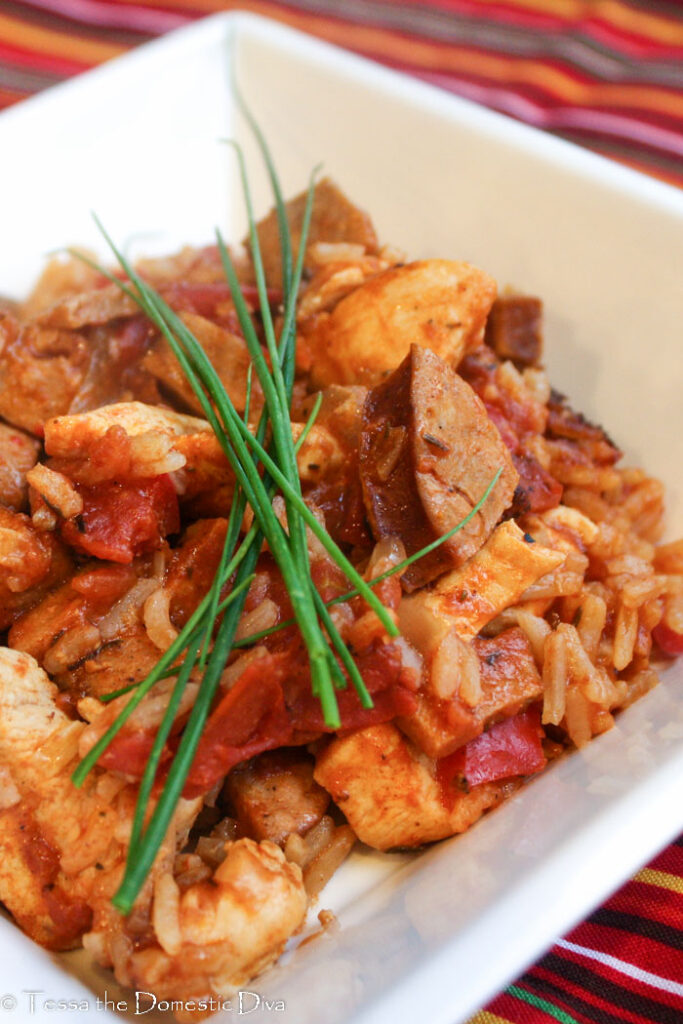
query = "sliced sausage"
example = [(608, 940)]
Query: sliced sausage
[(428, 452), (334, 219)]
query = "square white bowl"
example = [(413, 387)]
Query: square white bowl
[(428, 936)]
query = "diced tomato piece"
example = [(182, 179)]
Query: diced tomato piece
[(129, 752), (510, 748), (105, 584), (668, 640), (380, 668), (249, 719), (213, 300), (250, 293), (120, 521), (269, 706)]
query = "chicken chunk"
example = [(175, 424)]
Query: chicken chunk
[(57, 843), (62, 852), (564, 529), (62, 277), (18, 454), (212, 937), (389, 792), (120, 662), (41, 372), (509, 677), (97, 306), (71, 436), (275, 794), (437, 304), (466, 599), (226, 351), (428, 451), (31, 563), (451, 712)]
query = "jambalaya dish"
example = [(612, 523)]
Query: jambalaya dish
[(419, 401)]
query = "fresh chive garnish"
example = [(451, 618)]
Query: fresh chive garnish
[(261, 469), (247, 641), (254, 638), (244, 451)]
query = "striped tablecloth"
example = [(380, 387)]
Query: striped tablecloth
[(607, 74)]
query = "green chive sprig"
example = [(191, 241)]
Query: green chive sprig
[(246, 452), (264, 463)]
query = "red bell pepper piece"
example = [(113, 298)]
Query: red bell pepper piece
[(510, 748), (668, 640)]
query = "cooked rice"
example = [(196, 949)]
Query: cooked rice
[(156, 615), (320, 869), (57, 490)]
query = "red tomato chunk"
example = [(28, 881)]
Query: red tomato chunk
[(121, 521)]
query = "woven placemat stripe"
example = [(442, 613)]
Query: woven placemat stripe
[(608, 73)]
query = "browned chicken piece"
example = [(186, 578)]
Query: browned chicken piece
[(41, 372), (226, 351), (60, 611), (98, 306), (88, 633), (514, 329), (63, 849), (38, 819), (334, 219), (18, 454), (206, 481), (466, 599), (389, 792), (62, 277), (509, 677), (564, 529), (437, 304), (449, 715), (275, 795), (428, 451), (31, 563), (113, 665)]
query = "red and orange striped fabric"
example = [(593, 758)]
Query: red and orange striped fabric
[(607, 74), (624, 965)]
